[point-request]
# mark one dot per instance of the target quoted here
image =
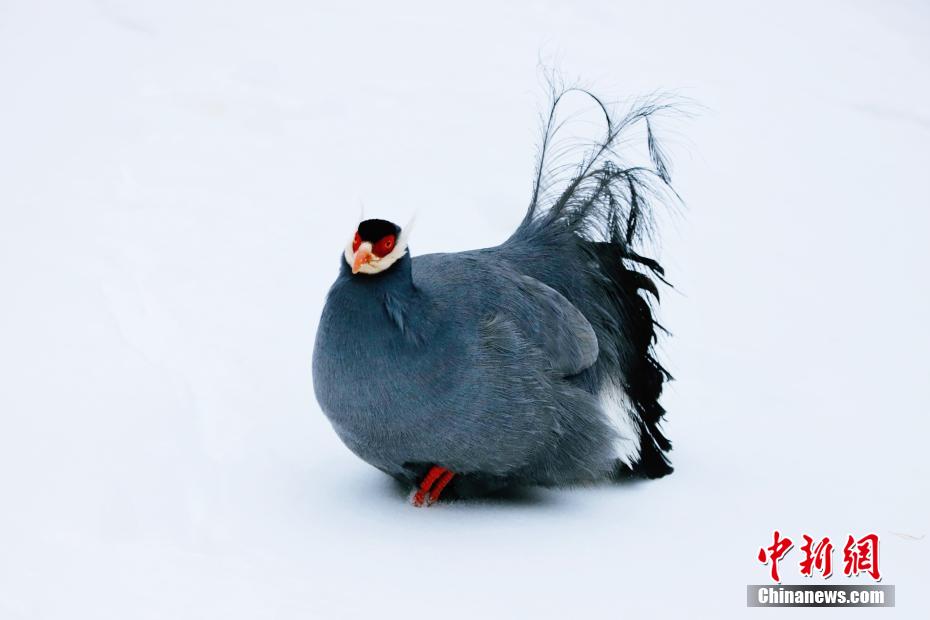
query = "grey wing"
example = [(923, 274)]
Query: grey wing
[(550, 322)]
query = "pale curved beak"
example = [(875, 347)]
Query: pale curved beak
[(362, 257)]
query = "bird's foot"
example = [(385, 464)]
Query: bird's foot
[(432, 485)]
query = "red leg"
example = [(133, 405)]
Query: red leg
[(439, 486), (434, 473)]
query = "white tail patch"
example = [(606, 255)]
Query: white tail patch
[(622, 416)]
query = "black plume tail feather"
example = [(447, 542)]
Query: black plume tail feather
[(607, 208), (601, 199), (643, 375)]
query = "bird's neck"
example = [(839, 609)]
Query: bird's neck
[(388, 298), (396, 279)]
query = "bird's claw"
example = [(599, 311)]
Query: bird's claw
[(432, 485)]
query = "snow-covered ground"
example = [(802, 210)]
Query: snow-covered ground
[(178, 179)]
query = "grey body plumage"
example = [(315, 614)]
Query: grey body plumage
[(526, 363)]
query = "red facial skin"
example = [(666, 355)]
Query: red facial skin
[(380, 249), (384, 246)]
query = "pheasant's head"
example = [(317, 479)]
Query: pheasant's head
[(376, 246)]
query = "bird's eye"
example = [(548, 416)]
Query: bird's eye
[(356, 242), (384, 247)]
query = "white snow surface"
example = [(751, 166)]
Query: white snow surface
[(178, 180)]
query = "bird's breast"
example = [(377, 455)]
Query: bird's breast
[(373, 377)]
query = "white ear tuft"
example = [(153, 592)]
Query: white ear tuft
[(405, 231)]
